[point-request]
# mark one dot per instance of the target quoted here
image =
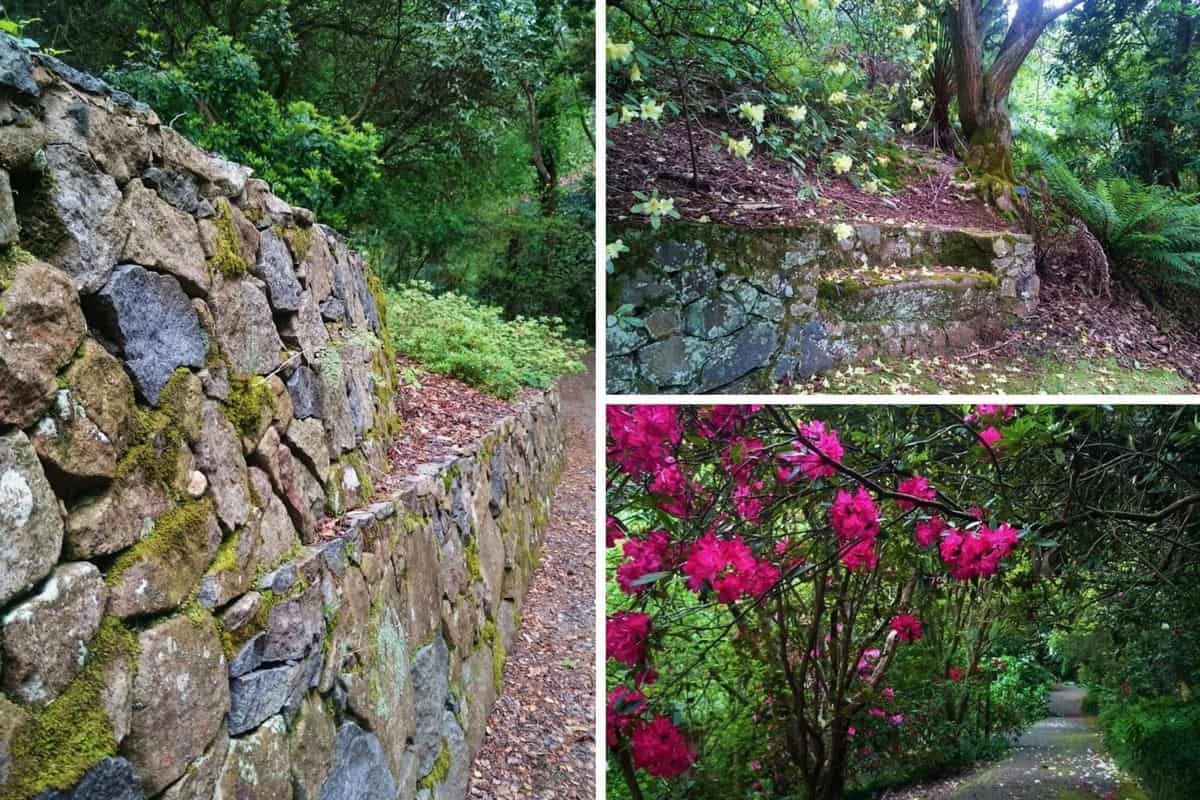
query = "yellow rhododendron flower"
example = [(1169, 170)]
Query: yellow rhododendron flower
[(754, 113), (838, 97), (838, 69), (918, 104), (842, 163), (635, 74), (920, 9), (843, 231), (650, 109), (861, 125), (617, 51), (628, 114), (909, 127), (660, 205), (907, 31), (796, 113), (740, 147), (614, 249)]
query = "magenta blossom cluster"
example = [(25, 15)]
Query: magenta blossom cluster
[(855, 520), (728, 566)]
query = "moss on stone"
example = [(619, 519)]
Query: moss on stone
[(248, 396), (228, 258), (66, 737), (492, 636), (227, 559), (448, 477), (471, 556), (173, 541), (299, 241), (159, 436), (11, 257), (329, 362), (356, 462), (965, 250), (441, 768)]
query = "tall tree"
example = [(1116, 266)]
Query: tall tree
[(983, 89)]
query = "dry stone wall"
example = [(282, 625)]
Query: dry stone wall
[(195, 379), (722, 308)]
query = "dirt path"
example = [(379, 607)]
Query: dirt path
[(1060, 758), (539, 743)]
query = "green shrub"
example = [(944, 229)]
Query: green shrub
[(1140, 226), (1158, 740), (454, 335)]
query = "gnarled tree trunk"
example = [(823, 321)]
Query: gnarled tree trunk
[(983, 91)]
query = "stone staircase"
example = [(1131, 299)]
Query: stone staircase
[(719, 308)]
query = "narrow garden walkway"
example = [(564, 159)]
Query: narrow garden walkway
[(1060, 758), (540, 743)]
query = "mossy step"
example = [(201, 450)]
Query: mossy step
[(922, 294)]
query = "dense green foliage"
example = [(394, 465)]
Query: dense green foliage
[(451, 140), (454, 335), (1159, 741)]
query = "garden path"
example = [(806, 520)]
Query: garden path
[(540, 743), (1061, 757)]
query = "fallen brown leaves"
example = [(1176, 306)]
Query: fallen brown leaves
[(540, 741), (763, 190)]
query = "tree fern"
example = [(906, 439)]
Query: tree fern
[(1141, 226)]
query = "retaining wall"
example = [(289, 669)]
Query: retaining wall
[(716, 308), (195, 377)]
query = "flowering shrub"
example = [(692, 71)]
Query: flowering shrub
[(756, 524)]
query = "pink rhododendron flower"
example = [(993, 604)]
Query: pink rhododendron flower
[(889, 694), (877, 712), (642, 436), (851, 731), (613, 532), (729, 567), (977, 554), (917, 486), (809, 462), (990, 436), (956, 675), (748, 500), (907, 627), (742, 455), (625, 637), (896, 719), (867, 662), (660, 749), (928, 531), (673, 489), (719, 422), (642, 557), (624, 708), (855, 520)]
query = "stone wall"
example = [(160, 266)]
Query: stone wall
[(714, 308), (195, 380)]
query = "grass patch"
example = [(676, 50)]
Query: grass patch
[(454, 335)]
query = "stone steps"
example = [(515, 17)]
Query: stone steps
[(715, 308)]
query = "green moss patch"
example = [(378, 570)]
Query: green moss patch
[(471, 556), (176, 540), (299, 241), (441, 768), (492, 636), (228, 258), (11, 257), (63, 739), (248, 396)]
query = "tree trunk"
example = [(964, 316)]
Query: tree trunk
[(983, 93)]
